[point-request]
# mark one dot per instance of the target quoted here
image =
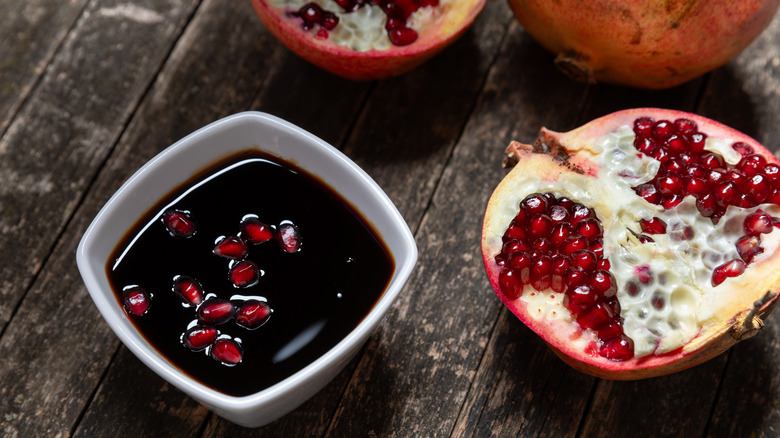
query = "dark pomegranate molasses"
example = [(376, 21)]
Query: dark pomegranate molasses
[(248, 273)]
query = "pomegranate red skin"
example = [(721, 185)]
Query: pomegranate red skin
[(372, 64), (742, 320), (643, 43)]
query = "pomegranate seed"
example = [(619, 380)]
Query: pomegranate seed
[(662, 130), (745, 201), (685, 126), (574, 243), (774, 198), (188, 289), (543, 245), (751, 164), (757, 187), (521, 262), (595, 316), (707, 205), (510, 283), (772, 173), (402, 36), (619, 348), (245, 274), (541, 273), (289, 237), (648, 192), (732, 268), (310, 12), (514, 245), (597, 246), (614, 328), (560, 264), (580, 212), (589, 228), (696, 142), (521, 218), (560, 232), (603, 283), (716, 176), (757, 223), (645, 239), (199, 337), (215, 311), (566, 203), (646, 145), (603, 264), (726, 193), (696, 187), (575, 276), (179, 223), (671, 201), (534, 204), (676, 144), (736, 176), (653, 226), (347, 5), (585, 259), (672, 166), (515, 232), (749, 247), (252, 314), (580, 298), (329, 20), (696, 170), (540, 225), (254, 231), (670, 185), (559, 214), (136, 300), (712, 161), (744, 149), (643, 126), (227, 351), (231, 247)]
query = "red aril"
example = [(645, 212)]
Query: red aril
[(661, 277), (188, 289), (136, 300), (252, 314), (227, 351), (199, 337), (215, 311), (179, 223), (366, 40), (231, 247)]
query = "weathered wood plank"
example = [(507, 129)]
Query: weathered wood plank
[(31, 33), (61, 135), (53, 351)]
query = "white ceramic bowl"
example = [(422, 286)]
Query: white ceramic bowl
[(176, 165)]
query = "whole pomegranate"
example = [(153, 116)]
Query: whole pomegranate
[(643, 43), (367, 39), (639, 244)]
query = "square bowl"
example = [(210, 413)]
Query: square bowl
[(178, 164)]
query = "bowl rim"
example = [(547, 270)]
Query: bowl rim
[(405, 260)]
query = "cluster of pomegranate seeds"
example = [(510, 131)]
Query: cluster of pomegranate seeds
[(687, 169), (555, 243), (249, 313), (397, 11), (312, 15)]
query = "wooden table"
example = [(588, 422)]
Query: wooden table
[(90, 90)]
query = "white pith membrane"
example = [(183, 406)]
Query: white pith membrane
[(678, 301), (364, 29)]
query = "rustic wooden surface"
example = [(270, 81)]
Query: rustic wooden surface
[(91, 89)]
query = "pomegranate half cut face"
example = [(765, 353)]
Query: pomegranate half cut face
[(639, 244), (367, 39)]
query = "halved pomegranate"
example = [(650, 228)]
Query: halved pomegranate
[(643, 43), (639, 244), (367, 39)]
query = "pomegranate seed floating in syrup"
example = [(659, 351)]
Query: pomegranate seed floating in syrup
[(240, 292)]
